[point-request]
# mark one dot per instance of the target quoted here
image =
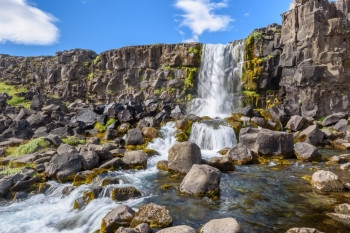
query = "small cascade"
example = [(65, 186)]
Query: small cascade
[(219, 80), (212, 135)]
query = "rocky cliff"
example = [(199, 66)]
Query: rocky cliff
[(316, 63), (140, 72)]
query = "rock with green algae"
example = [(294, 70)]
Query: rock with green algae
[(162, 165), (86, 177), (118, 217), (124, 193), (86, 198), (156, 216), (134, 160)]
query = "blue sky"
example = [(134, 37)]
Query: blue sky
[(42, 27)]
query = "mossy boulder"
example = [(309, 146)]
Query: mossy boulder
[(124, 193), (150, 132), (86, 177), (162, 165), (118, 217), (156, 216), (86, 198)]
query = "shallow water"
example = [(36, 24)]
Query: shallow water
[(263, 198)]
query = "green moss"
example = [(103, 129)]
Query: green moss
[(12, 91), (89, 177), (96, 60), (251, 97), (90, 76), (29, 147), (13, 168), (73, 141), (158, 91), (322, 118), (181, 136), (189, 80), (100, 127), (193, 50), (86, 64)]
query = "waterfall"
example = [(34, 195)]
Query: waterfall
[(219, 80), (212, 135)]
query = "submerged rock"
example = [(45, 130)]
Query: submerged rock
[(156, 216), (119, 217), (306, 152), (201, 180), (326, 181), (224, 225), (178, 229), (221, 163), (303, 230), (182, 156), (124, 193)]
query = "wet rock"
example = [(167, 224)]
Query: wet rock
[(334, 118), (246, 111), (326, 181), (86, 198), (112, 164), (342, 125), (126, 230), (345, 166), (303, 230), (338, 159), (297, 123), (240, 154), (87, 177), (342, 218), (224, 225), (143, 228), (162, 165), (221, 163), (91, 160), (135, 160), (124, 193), (182, 156), (267, 142), (343, 209), (306, 152), (64, 166), (20, 196), (201, 180), (110, 180), (150, 132), (156, 216), (178, 229), (119, 217), (312, 135), (134, 137)]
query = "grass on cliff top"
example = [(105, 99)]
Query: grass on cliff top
[(13, 91), (29, 147)]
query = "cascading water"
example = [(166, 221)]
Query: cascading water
[(219, 80), (218, 95)]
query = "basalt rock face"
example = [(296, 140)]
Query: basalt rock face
[(140, 72), (316, 65)]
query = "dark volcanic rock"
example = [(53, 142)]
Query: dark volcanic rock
[(134, 137), (19, 129)]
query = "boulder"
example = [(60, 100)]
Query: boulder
[(120, 216), (134, 137), (64, 166), (326, 181), (91, 160), (37, 102), (156, 216), (135, 160), (224, 225), (334, 118), (201, 180), (303, 230), (342, 125), (63, 132), (39, 119), (124, 193), (111, 134), (150, 132), (297, 123), (178, 229), (246, 111), (343, 209), (278, 114), (267, 142), (312, 135), (111, 164), (345, 166), (240, 154), (221, 163), (338, 159), (87, 116), (306, 152), (65, 148), (19, 129), (143, 228), (182, 156)]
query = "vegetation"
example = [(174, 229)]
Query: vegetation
[(14, 168), (90, 76), (102, 128), (158, 91), (12, 91), (73, 141), (193, 50), (96, 60), (86, 64), (28, 148)]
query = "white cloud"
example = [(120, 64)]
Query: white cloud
[(199, 16), (22, 23)]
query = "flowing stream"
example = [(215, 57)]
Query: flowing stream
[(263, 198)]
